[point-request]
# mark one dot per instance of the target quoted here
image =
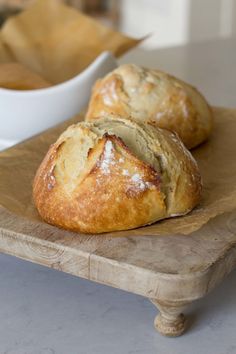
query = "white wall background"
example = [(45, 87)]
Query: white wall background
[(176, 22)]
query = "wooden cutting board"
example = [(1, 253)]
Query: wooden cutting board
[(171, 271)]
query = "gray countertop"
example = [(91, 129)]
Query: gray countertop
[(209, 65), (44, 311)]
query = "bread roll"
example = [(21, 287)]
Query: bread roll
[(115, 174), (156, 97)]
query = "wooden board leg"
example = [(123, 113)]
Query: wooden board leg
[(170, 321)]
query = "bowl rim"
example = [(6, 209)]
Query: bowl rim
[(61, 86)]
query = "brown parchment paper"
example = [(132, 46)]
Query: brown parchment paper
[(17, 77), (57, 41), (216, 160)]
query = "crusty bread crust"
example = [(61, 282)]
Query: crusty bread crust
[(153, 96), (95, 181)]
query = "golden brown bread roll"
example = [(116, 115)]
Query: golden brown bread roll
[(156, 97), (115, 174)]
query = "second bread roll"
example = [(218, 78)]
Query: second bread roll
[(153, 96)]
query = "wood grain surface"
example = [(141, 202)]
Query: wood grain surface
[(176, 267)]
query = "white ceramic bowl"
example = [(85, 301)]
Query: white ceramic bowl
[(25, 113)]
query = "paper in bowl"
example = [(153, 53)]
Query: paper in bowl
[(56, 41)]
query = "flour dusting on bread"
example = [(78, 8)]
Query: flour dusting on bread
[(108, 157), (139, 182)]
